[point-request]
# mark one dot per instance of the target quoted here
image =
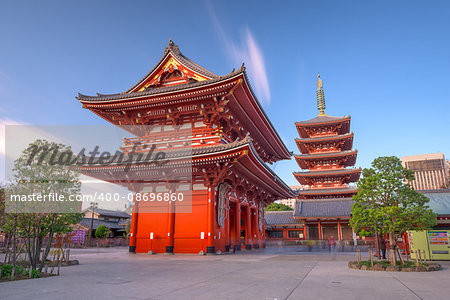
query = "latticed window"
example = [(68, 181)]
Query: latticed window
[(276, 234), (295, 234)]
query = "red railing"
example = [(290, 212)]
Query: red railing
[(168, 139)]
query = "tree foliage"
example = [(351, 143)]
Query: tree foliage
[(278, 207), (34, 220), (386, 203), (101, 231)]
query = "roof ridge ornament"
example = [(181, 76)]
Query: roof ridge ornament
[(174, 47), (320, 97)]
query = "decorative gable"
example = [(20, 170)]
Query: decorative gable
[(174, 68), (171, 72)]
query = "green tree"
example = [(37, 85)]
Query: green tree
[(101, 231), (42, 169), (386, 203), (277, 207)]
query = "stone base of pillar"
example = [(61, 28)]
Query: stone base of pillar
[(255, 246), (211, 250), (248, 247), (227, 248), (237, 247), (132, 249), (169, 249)]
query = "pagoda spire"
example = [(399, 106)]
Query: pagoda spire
[(320, 97)]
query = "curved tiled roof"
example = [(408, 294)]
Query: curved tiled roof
[(280, 218), (172, 153), (156, 91), (325, 138), (175, 51), (324, 208), (97, 222), (328, 172), (439, 200), (322, 119), (326, 154), (344, 190)]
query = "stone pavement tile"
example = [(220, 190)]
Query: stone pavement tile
[(428, 285), (259, 275), (333, 280)]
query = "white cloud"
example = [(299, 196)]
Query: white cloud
[(247, 51), (3, 123), (254, 58)]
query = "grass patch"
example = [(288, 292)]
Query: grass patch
[(387, 263), (21, 273)]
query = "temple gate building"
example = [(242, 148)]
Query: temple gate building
[(327, 158), (217, 142)]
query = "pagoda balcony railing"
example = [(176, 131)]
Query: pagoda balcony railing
[(323, 134), (328, 186), (173, 139)]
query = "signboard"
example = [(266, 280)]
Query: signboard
[(438, 238)]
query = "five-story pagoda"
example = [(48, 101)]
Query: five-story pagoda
[(326, 160)]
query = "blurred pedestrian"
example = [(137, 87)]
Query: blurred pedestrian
[(382, 246), (331, 244)]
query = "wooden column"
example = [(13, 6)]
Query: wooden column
[(248, 229), (305, 237), (134, 226), (237, 242), (320, 229), (170, 227), (256, 237), (226, 224), (339, 230), (211, 215)]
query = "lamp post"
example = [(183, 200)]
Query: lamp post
[(93, 206)]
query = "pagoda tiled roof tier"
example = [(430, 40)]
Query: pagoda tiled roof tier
[(348, 156), (323, 208), (348, 175), (347, 140), (326, 193), (340, 125), (322, 120), (330, 172), (241, 157)]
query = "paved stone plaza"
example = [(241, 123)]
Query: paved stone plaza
[(264, 274)]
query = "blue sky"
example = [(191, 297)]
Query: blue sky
[(385, 63)]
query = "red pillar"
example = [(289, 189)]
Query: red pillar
[(339, 230), (227, 236), (248, 228), (256, 232), (134, 227), (170, 228), (237, 244), (210, 239), (305, 237), (320, 230)]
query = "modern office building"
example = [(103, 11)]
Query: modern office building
[(430, 170)]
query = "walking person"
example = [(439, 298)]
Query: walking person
[(331, 244)]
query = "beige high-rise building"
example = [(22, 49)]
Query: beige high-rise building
[(291, 202), (430, 170)]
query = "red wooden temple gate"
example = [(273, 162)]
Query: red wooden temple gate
[(217, 141)]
